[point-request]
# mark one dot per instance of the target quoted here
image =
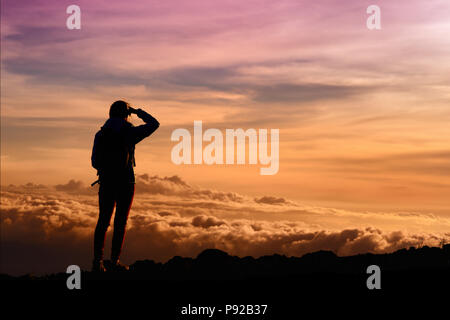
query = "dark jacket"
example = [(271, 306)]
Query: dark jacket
[(132, 135)]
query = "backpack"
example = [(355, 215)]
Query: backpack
[(111, 155)]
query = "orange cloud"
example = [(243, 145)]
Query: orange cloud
[(46, 228)]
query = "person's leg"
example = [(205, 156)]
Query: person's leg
[(124, 201), (106, 200)]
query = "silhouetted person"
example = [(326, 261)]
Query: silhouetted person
[(113, 157)]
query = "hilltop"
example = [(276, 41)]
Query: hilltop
[(214, 276)]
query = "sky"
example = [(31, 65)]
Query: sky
[(362, 114)]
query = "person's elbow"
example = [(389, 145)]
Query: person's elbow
[(154, 125)]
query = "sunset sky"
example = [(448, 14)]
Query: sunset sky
[(363, 117)]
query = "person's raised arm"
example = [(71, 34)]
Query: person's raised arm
[(143, 131)]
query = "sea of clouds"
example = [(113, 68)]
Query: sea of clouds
[(46, 228)]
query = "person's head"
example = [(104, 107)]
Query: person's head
[(119, 109)]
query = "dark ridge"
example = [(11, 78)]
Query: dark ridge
[(214, 276), (214, 264)]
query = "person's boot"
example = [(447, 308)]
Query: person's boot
[(97, 266), (117, 266)]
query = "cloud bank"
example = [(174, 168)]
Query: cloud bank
[(46, 228)]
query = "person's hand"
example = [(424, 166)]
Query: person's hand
[(132, 110)]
